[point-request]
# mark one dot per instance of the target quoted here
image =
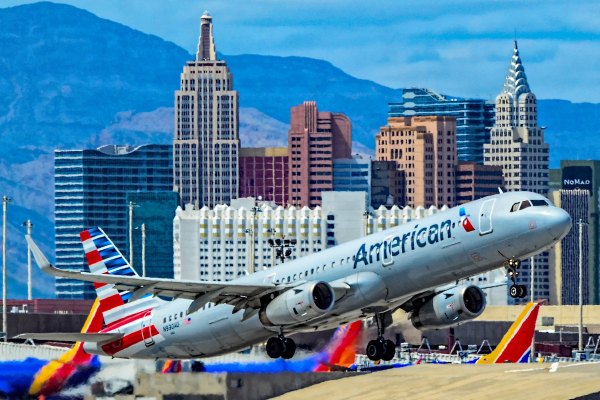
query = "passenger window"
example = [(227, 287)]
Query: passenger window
[(175, 317), (294, 278), (305, 273), (312, 271), (170, 318), (525, 204), (288, 279), (515, 207), (318, 268), (181, 314), (164, 320)]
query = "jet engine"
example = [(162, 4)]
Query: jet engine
[(449, 308), (299, 304)]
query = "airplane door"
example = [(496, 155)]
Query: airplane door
[(485, 217), (147, 329), (388, 258)]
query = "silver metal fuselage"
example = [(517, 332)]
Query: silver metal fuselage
[(383, 270)]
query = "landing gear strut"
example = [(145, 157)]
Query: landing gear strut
[(280, 346), (516, 291), (380, 348)]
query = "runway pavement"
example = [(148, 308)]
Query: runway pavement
[(502, 381)]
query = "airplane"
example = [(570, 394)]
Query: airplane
[(34, 377), (411, 266)]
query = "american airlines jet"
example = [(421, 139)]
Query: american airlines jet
[(415, 267)]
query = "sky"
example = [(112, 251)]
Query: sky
[(458, 47)]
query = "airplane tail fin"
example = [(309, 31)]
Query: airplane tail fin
[(515, 346), (103, 257), (341, 350), (74, 366)]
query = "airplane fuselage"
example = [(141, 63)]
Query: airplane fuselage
[(382, 271)]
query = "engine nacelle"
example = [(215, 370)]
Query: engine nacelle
[(299, 304), (450, 308)]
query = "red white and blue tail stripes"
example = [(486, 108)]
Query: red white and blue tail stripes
[(128, 317)]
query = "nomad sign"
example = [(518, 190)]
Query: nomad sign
[(577, 178)]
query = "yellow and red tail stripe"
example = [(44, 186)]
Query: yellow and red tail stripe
[(516, 343)]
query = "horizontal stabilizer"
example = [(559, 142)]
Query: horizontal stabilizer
[(72, 337)]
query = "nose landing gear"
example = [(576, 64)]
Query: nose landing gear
[(515, 291), (380, 348)]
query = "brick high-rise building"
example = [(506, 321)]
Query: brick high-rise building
[(474, 181), (264, 174), (425, 149), (206, 143), (315, 139)]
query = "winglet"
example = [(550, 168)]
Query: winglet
[(40, 258), (500, 190)]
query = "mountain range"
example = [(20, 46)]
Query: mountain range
[(69, 79)]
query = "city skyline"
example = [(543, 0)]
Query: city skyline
[(421, 44)]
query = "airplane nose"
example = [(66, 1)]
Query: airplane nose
[(558, 222)]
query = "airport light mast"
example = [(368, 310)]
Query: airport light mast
[(5, 201)]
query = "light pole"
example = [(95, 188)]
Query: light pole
[(131, 205), (252, 232), (5, 201), (29, 225), (283, 246), (367, 214), (532, 281), (581, 223), (144, 250)]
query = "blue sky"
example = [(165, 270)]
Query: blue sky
[(459, 47)]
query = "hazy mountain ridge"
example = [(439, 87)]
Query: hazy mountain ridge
[(69, 79)]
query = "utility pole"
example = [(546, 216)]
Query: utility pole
[(5, 201), (144, 250), (252, 232), (29, 225)]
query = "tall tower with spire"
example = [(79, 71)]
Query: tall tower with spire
[(516, 141), (517, 145), (206, 142)]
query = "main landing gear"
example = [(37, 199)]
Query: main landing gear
[(515, 291), (380, 348), (280, 346)]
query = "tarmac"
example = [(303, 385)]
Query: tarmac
[(501, 381)]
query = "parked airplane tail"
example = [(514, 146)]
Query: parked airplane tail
[(515, 346), (73, 367), (341, 351)]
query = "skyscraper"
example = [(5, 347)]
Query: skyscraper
[(425, 149), (315, 139), (517, 145), (90, 190), (517, 142), (206, 143), (474, 118)]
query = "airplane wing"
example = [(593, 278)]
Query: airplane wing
[(72, 337), (239, 295)]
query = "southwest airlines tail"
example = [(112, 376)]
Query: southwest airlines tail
[(515, 346), (74, 367)]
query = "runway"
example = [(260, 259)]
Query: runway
[(502, 381)]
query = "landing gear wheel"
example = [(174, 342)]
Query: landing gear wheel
[(389, 350), (514, 291), (275, 347), (289, 349), (375, 350), (522, 289)]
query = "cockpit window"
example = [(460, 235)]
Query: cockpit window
[(515, 207), (539, 202), (525, 204)]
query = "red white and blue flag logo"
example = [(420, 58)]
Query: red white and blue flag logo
[(464, 220)]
